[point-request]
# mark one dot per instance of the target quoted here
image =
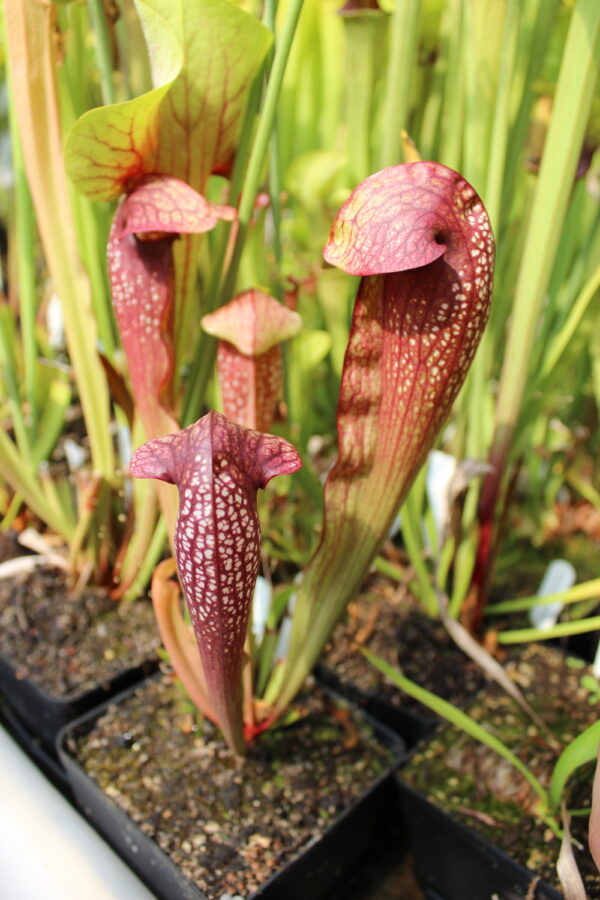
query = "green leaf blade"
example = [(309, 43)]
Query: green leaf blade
[(204, 56), (581, 750)]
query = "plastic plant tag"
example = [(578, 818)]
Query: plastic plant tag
[(441, 468), (283, 639), (75, 454), (55, 323), (560, 576), (261, 606), (596, 664)]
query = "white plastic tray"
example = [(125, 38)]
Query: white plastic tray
[(46, 848)]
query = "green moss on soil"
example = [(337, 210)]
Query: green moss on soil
[(483, 791), (226, 822)]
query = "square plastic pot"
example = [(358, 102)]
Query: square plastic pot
[(371, 826), (44, 714), (454, 862)]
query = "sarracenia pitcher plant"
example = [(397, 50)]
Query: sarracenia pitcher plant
[(420, 237), (176, 157), (155, 153), (218, 467)]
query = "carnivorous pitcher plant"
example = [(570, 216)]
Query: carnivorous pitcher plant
[(419, 236)]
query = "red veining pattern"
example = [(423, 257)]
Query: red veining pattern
[(188, 126), (415, 330), (250, 386), (218, 467), (142, 280), (253, 322), (405, 217), (167, 204), (421, 236), (249, 360)]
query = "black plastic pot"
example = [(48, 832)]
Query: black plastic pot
[(584, 645), (410, 726), (44, 714), (44, 757), (372, 826), (455, 863)]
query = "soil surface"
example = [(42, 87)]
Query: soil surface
[(66, 643), (388, 623), (9, 546), (485, 792), (229, 823)]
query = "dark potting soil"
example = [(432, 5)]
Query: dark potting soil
[(228, 823), (481, 789), (9, 546), (388, 623), (70, 643)]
